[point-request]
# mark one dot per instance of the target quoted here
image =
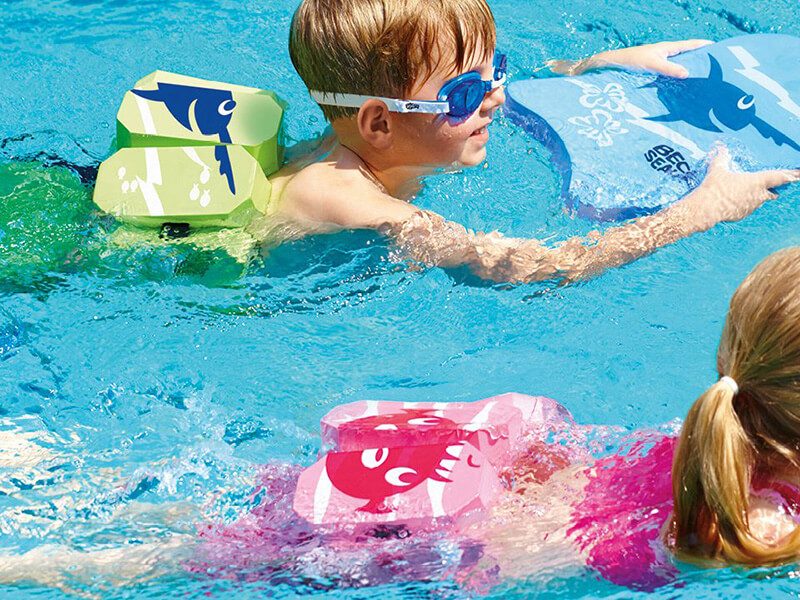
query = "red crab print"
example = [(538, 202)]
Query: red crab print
[(374, 474)]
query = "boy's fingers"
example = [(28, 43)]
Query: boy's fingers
[(671, 69), (777, 178), (693, 44), (674, 48), (562, 67), (721, 158)]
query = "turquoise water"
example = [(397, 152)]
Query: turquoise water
[(167, 374)]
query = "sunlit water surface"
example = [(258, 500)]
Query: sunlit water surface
[(161, 374)]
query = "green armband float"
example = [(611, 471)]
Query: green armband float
[(192, 151), (153, 186)]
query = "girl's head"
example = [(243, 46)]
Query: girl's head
[(731, 436)]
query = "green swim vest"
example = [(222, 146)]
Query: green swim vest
[(192, 151)]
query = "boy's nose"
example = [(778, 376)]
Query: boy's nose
[(495, 98)]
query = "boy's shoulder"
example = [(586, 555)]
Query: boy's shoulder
[(330, 195)]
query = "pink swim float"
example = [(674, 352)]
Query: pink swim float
[(413, 462)]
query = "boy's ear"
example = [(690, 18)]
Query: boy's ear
[(375, 124)]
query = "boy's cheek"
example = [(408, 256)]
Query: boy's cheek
[(417, 126), (433, 138), (458, 128), (466, 129)]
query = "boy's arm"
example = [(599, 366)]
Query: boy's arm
[(651, 58), (318, 200), (723, 196)]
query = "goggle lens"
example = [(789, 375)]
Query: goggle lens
[(466, 97), (468, 90)]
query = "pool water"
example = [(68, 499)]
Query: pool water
[(166, 374)]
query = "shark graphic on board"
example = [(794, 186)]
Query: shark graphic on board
[(212, 115), (710, 102)]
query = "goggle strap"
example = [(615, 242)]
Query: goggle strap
[(499, 82), (394, 104)]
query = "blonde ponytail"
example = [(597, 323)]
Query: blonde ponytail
[(733, 432), (711, 475)]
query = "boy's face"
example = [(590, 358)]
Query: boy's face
[(439, 140)]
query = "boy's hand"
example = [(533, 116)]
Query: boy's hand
[(723, 196), (726, 195), (652, 58)]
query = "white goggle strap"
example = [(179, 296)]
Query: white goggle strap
[(499, 82), (394, 104)]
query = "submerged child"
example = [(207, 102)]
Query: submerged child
[(376, 67), (733, 496), (729, 493), (725, 491)]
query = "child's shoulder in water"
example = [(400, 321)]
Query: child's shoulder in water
[(329, 189)]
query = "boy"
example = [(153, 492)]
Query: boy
[(376, 68)]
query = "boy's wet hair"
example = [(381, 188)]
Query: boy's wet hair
[(385, 47)]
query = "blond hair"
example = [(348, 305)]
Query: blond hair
[(729, 437), (384, 47)]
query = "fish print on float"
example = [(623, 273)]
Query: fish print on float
[(712, 104), (210, 109), (629, 144), (192, 154)]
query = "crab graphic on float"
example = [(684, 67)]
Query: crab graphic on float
[(375, 474), (412, 462)]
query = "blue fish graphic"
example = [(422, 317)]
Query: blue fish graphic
[(212, 115), (696, 99)]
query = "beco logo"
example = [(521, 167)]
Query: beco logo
[(667, 160)]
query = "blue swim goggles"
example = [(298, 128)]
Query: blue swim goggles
[(458, 97)]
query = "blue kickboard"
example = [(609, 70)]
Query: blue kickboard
[(629, 144)]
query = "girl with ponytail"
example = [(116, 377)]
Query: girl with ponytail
[(732, 493), (728, 489), (736, 470)]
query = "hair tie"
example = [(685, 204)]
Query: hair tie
[(731, 383)]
